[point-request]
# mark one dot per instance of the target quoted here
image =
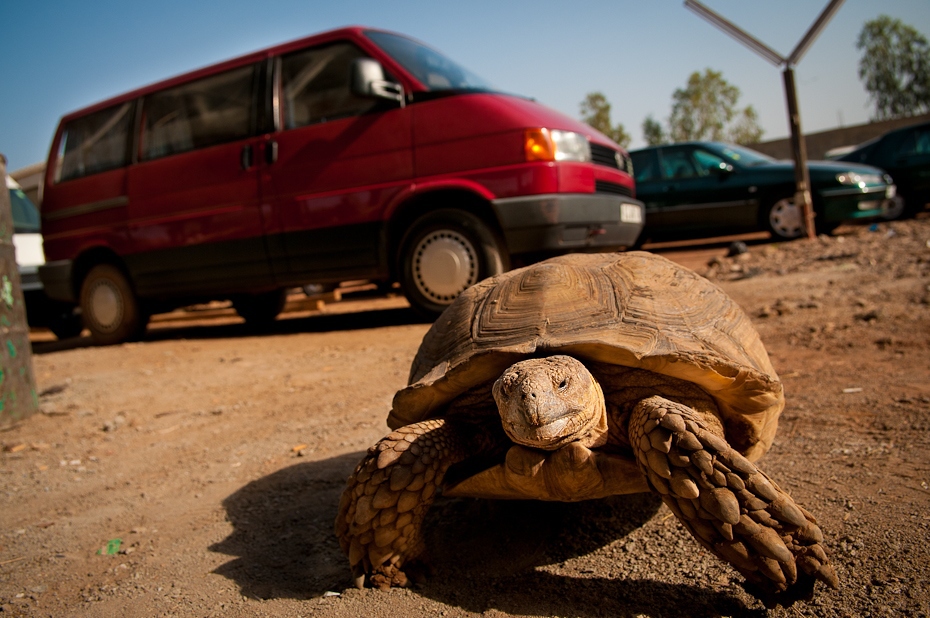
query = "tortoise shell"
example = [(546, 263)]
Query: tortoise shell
[(634, 309)]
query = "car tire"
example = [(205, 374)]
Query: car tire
[(896, 210), (444, 253), (782, 218), (260, 310), (109, 306)]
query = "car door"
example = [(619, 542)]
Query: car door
[(340, 159), (702, 192), (912, 164)]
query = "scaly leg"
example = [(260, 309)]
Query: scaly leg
[(730, 506), (382, 508)]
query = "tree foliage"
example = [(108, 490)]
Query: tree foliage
[(895, 67), (653, 132), (705, 109), (595, 111)]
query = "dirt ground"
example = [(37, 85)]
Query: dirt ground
[(197, 473)]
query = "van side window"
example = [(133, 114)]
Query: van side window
[(209, 111), (315, 85), (94, 143)]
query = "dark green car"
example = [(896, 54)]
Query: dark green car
[(905, 154), (696, 189)]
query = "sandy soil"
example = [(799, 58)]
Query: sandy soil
[(197, 473)]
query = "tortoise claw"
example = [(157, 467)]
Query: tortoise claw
[(730, 506)]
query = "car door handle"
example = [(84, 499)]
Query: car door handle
[(246, 157), (271, 152)]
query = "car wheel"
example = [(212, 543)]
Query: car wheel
[(895, 209), (260, 309), (446, 252), (109, 306), (783, 219)]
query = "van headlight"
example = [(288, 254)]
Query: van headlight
[(855, 179), (555, 145)]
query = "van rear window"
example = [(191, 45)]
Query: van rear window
[(209, 111), (95, 143)]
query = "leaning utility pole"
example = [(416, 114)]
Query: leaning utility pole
[(802, 195), (17, 383)]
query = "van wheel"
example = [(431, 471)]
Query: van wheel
[(783, 219), (444, 253), (109, 306), (260, 309)]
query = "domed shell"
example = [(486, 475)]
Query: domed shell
[(634, 309)]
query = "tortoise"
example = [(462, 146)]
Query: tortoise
[(580, 377)]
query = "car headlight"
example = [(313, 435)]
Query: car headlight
[(859, 180), (555, 145)]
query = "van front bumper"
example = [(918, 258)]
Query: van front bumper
[(567, 222), (56, 279)]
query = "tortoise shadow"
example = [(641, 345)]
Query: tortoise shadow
[(483, 552), (539, 593)]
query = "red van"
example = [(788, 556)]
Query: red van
[(352, 154)]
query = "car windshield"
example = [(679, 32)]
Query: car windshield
[(25, 214), (743, 156), (431, 68)]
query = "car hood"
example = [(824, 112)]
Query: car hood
[(823, 167)]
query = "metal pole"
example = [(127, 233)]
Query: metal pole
[(17, 382), (802, 195)]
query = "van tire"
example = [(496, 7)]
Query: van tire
[(260, 310), (445, 252), (109, 306)]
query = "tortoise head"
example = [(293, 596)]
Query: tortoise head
[(548, 402)]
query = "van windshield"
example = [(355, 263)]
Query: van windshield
[(431, 68)]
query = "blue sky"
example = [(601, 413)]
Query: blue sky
[(59, 56)]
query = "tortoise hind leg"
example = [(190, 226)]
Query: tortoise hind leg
[(730, 506), (382, 508)]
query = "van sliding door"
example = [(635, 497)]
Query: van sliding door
[(194, 213)]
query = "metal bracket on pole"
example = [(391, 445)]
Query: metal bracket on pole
[(802, 195)]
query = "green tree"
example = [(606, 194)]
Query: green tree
[(705, 109), (653, 132), (595, 111), (895, 67)]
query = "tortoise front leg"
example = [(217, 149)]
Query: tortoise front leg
[(382, 508), (730, 506)]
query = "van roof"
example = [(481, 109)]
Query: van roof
[(322, 37)]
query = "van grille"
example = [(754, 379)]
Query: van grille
[(604, 155), (601, 186)]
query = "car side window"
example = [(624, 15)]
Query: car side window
[(920, 145), (206, 112), (708, 163), (677, 164), (94, 143), (315, 85), (645, 166)]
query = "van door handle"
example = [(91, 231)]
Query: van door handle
[(271, 152), (246, 158)]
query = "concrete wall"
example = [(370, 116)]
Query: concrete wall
[(819, 143)]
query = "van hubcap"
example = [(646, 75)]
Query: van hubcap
[(106, 306), (445, 263)]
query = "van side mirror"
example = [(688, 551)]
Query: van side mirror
[(367, 80)]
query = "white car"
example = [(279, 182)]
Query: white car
[(60, 318)]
